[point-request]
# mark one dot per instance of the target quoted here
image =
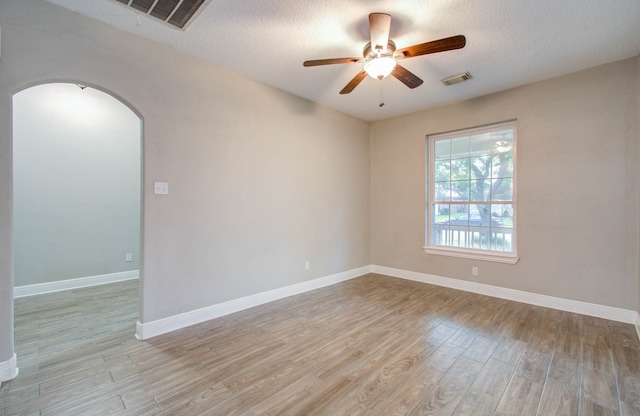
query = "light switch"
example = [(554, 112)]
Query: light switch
[(161, 188)]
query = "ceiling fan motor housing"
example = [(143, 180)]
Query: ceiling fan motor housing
[(369, 53)]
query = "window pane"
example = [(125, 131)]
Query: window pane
[(441, 212), (496, 221), (460, 147), (482, 214), (442, 149), (501, 240), (502, 141), (501, 227), (460, 220), (443, 191), (502, 165), (459, 209), (480, 167), (460, 190), (481, 144), (502, 189), (503, 213), (440, 224), (479, 238), (460, 169), (480, 190), (443, 170)]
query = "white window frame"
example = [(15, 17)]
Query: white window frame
[(461, 252)]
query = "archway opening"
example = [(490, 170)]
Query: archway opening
[(77, 167)]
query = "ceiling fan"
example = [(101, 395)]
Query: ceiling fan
[(380, 57)]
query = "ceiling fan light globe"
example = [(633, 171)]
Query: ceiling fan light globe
[(379, 68)]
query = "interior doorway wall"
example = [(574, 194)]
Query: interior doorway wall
[(77, 187)]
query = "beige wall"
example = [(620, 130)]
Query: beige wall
[(577, 186), (260, 181)]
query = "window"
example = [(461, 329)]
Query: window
[(471, 178)]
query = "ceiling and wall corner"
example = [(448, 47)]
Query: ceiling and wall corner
[(509, 43)]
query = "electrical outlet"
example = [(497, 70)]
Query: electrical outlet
[(128, 257), (161, 188), (307, 265), (474, 271)]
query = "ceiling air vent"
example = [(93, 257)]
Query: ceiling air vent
[(175, 12), (456, 79)]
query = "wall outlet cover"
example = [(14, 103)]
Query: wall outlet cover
[(161, 188)]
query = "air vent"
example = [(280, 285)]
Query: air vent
[(456, 79), (174, 12)]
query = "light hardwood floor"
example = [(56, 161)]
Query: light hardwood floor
[(373, 345)]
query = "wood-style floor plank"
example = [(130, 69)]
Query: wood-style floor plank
[(374, 345)]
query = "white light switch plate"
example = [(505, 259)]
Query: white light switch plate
[(161, 188)]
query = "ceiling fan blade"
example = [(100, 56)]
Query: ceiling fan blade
[(379, 26), (354, 82), (407, 77), (332, 61), (441, 45)]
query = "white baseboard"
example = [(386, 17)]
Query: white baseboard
[(50, 287), (583, 308), (162, 326), (8, 369)]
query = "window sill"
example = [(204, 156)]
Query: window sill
[(473, 255)]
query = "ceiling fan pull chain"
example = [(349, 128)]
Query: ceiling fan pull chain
[(381, 97)]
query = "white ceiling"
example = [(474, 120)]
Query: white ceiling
[(509, 43)]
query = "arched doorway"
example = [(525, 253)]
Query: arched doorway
[(77, 166)]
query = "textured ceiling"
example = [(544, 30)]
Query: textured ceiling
[(509, 43)]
